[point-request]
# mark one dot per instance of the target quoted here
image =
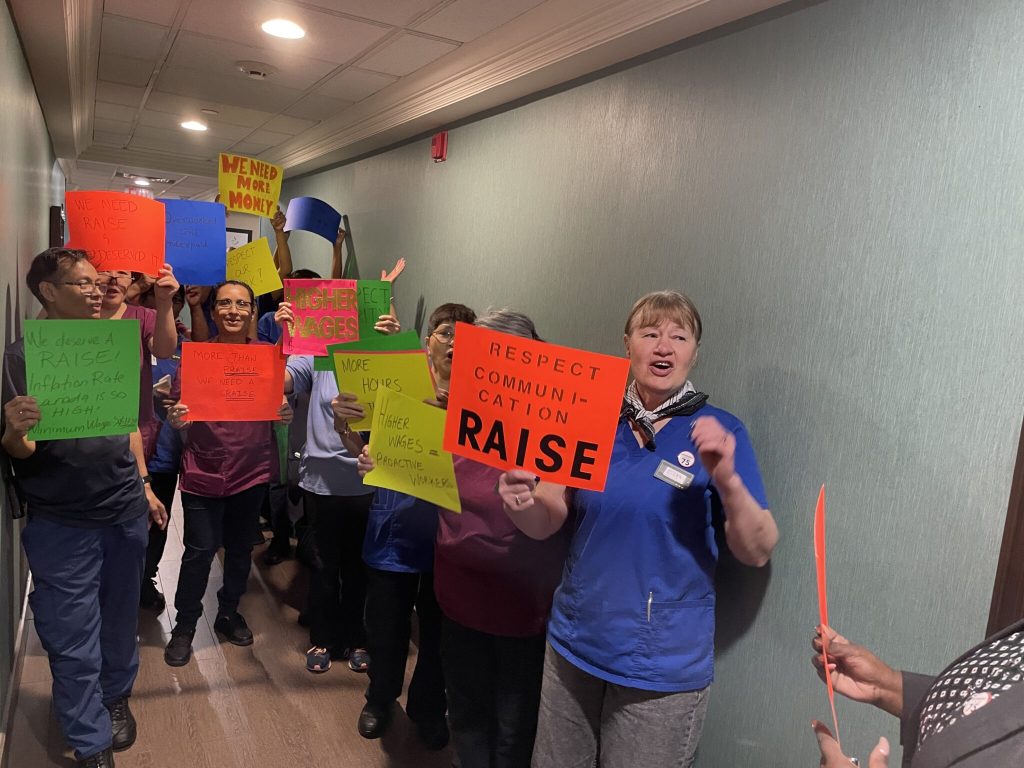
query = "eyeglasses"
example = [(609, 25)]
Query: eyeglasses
[(242, 304), (83, 285), (105, 280), (444, 335)]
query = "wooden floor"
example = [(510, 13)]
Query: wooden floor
[(230, 706)]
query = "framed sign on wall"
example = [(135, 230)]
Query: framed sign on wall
[(238, 237)]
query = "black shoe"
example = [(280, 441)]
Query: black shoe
[(373, 721), (104, 759), (275, 555), (150, 597), (179, 648), (433, 734), (234, 628), (122, 723)]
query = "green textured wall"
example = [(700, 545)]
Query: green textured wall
[(29, 184), (841, 190)]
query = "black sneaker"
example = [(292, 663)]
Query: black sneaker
[(373, 721), (234, 628), (433, 734), (150, 597), (275, 554), (122, 723), (104, 759), (179, 648)]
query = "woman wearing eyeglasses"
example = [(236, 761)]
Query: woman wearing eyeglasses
[(225, 471)]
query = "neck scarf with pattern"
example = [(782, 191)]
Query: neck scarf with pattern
[(684, 402)]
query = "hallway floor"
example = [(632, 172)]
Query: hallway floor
[(230, 706)]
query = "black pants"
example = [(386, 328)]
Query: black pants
[(163, 485), (338, 588), (275, 510), (493, 695), (211, 523), (390, 599)]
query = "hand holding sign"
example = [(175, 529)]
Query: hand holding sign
[(366, 373), (819, 565)]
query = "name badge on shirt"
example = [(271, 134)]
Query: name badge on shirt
[(673, 475)]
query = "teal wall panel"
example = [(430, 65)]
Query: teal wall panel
[(839, 188)]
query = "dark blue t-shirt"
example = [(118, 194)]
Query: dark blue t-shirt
[(86, 482)]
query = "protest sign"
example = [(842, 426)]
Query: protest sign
[(313, 215), (118, 230), (373, 299), (195, 241), (325, 313), (405, 443), (231, 382), (364, 373), (84, 375), (249, 186), (551, 410), (820, 570), (253, 264)]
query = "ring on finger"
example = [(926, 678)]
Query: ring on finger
[(517, 500)]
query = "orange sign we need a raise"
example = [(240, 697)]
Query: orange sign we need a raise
[(516, 402)]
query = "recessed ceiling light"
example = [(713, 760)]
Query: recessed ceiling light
[(210, 112), (289, 30), (142, 182), (194, 125)]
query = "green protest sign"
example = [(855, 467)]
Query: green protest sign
[(85, 376), (373, 299)]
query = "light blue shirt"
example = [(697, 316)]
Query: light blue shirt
[(326, 467)]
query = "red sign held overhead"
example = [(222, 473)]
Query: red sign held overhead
[(117, 230), (551, 410)]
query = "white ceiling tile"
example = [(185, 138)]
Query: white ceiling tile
[(399, 12), (112, 126), (155, 11), (268, 137), (172, 122), (466, 20), (200, 146), (190, 106), (355, 84), (328, 37), (109, 139), (130, 38), (110, 111), (115, 93), (250, 148), (124, 70), (86, 166), (213, 55), (405, 54), (227, 89), (290, 125), (317, 107)]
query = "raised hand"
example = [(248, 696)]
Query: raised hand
[(717, 448), (394, 273)]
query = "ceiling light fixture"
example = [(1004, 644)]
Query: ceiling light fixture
[(140, 182), (193, 125), (289, 30)]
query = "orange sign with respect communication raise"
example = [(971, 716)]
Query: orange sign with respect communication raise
[(231, 382), (551, 410)]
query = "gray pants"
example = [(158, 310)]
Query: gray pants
[(585, 721)]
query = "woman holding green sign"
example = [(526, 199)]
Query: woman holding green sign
[(225, 472)]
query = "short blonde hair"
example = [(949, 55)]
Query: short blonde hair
[(652, 309)]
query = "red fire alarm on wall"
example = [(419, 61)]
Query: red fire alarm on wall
[(439, 147)]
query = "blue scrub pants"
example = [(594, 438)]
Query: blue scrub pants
[(86, 607)]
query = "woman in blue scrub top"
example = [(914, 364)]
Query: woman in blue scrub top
[(631, 636)]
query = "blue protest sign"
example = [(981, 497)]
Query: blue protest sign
[(312, 215), (195, 241)]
